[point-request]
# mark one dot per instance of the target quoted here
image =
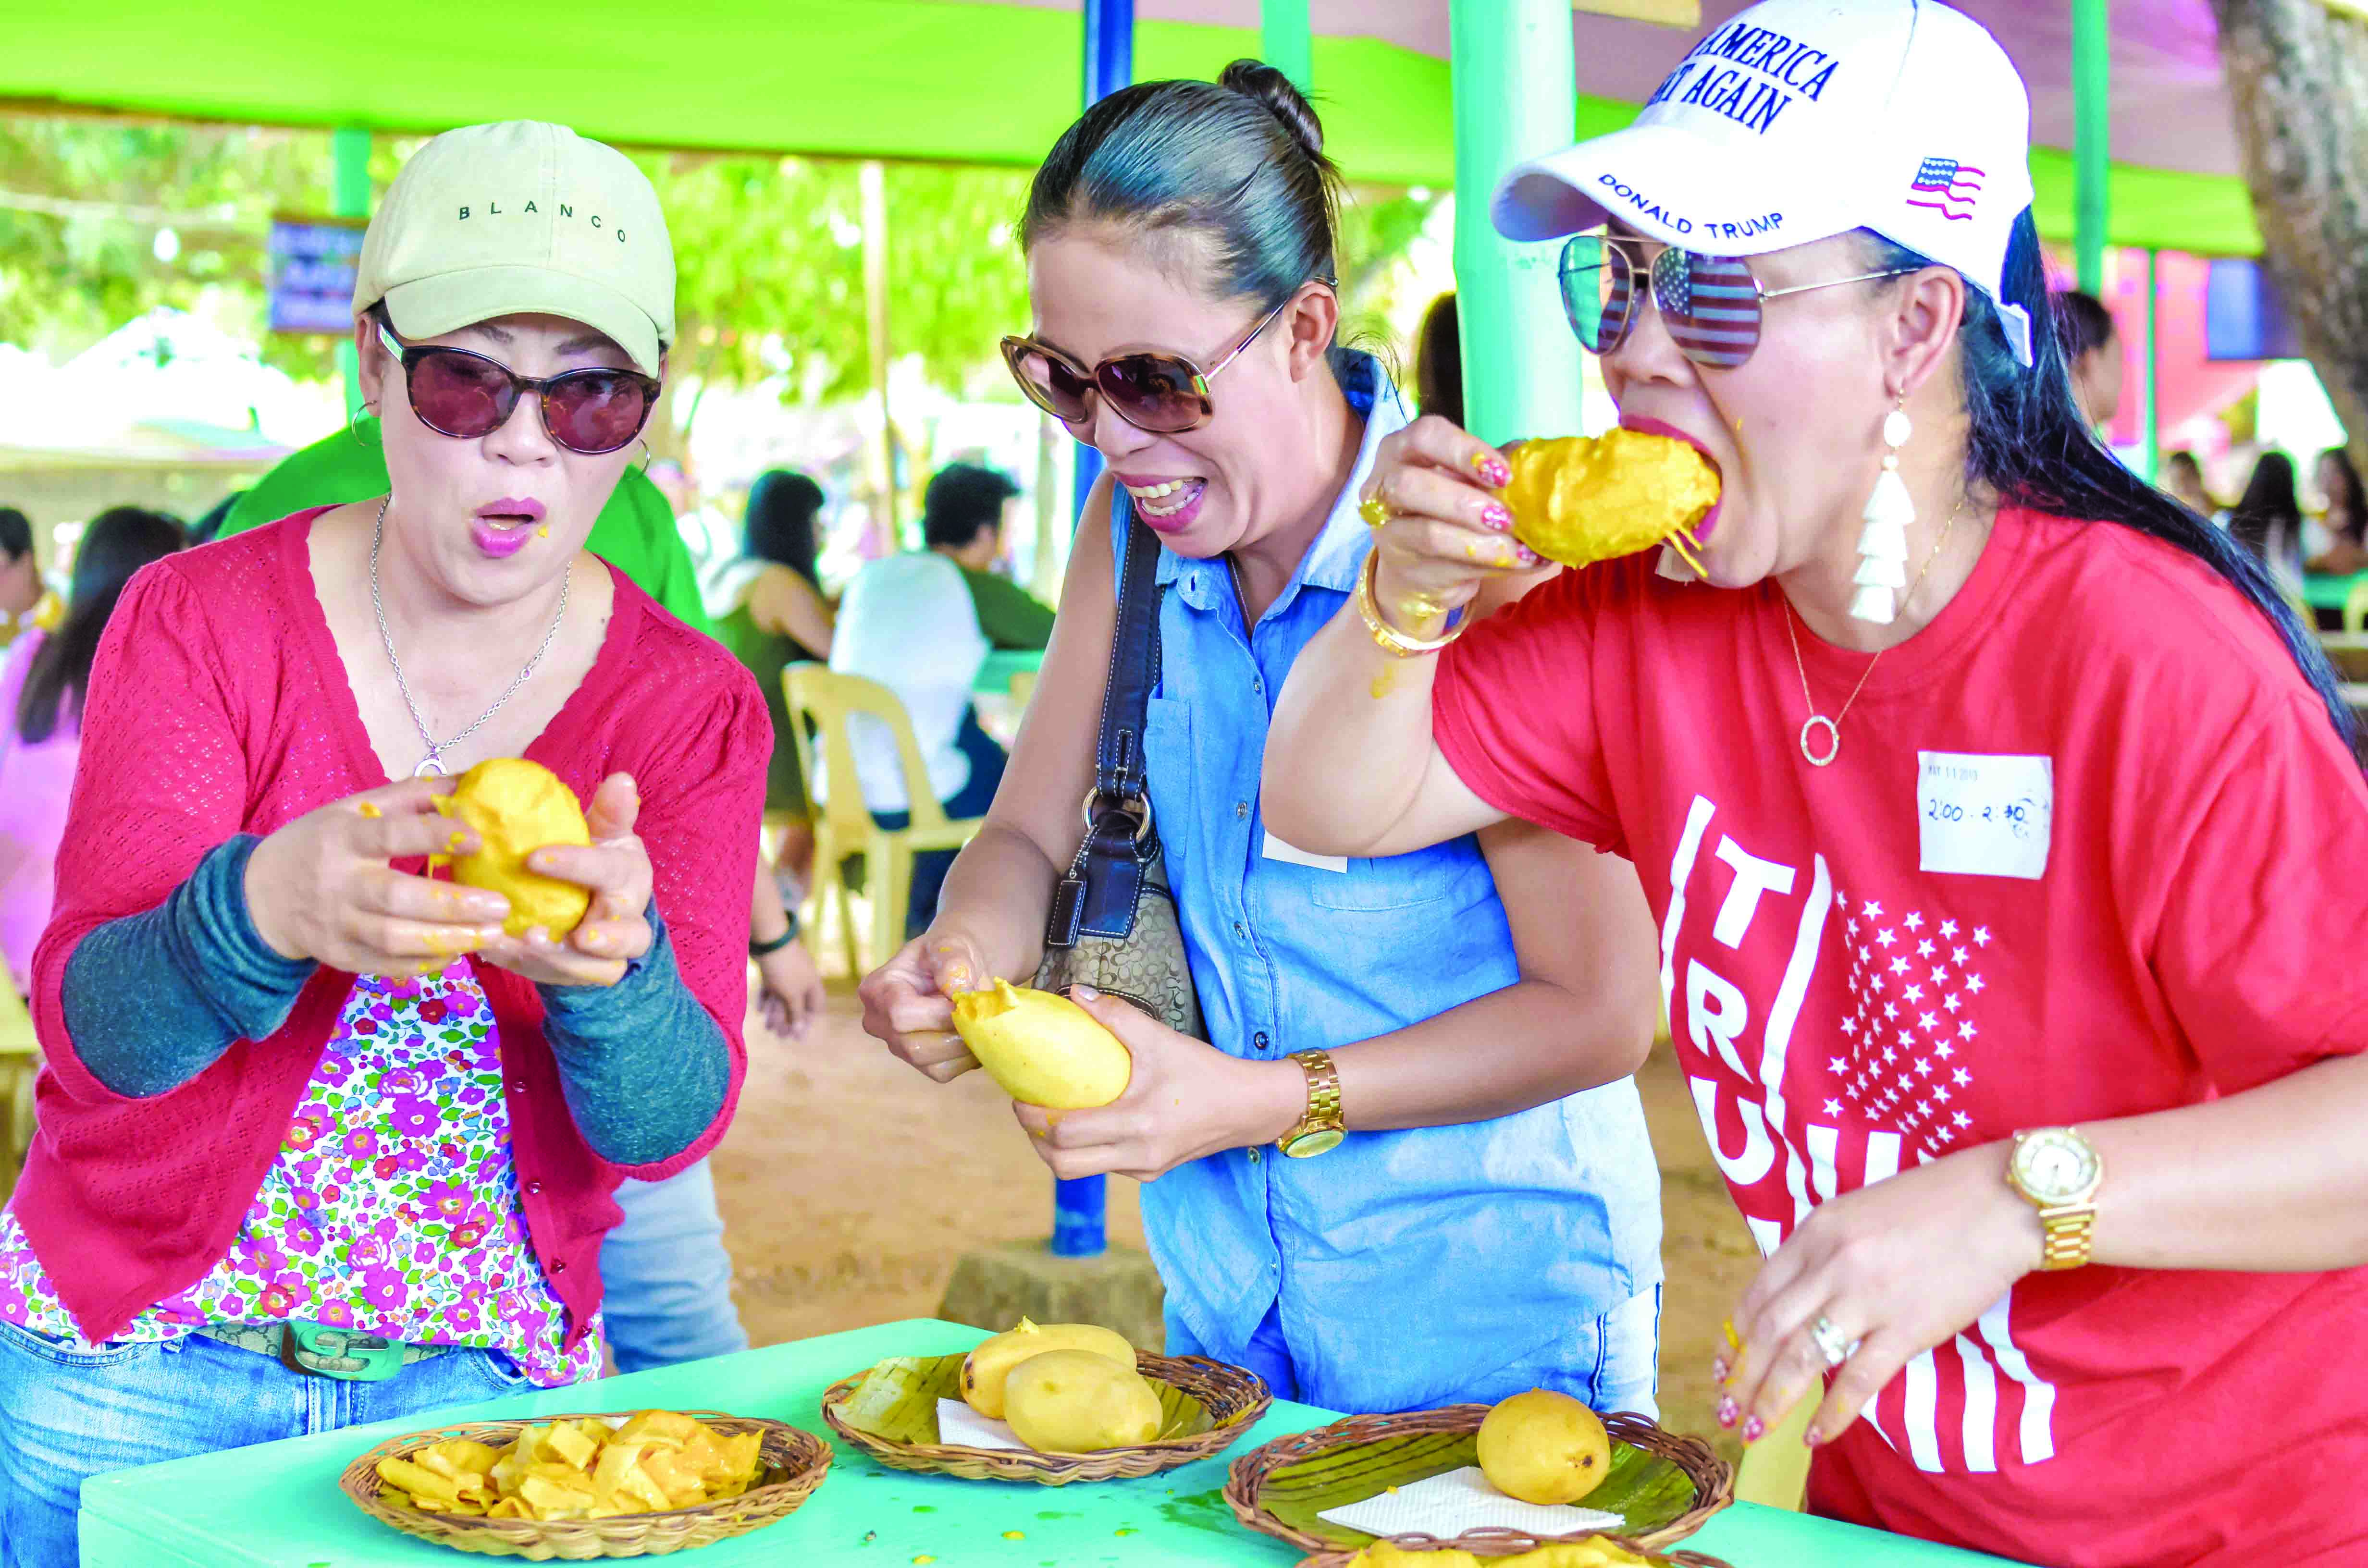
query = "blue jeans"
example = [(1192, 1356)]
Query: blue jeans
[(1626, 1372), (70, 1414), (666, 1276)]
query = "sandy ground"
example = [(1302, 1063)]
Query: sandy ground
[(849, 1185)]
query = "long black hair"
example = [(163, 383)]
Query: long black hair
[(1237, 163), (2346, 514), (2029, 447), (783, 522), (118, 542), (2267, 519)]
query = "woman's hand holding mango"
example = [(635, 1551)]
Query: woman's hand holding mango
[(615, 867), (1445, 531), (324, 887), (908, 1001)]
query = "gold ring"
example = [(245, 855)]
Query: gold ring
[(1374, 510)]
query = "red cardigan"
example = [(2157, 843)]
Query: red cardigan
[(218, 706)]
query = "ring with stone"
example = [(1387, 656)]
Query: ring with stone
[(1832, 1343), (1374, 510)]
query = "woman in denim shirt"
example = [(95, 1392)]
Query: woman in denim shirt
[(1492, 1219)]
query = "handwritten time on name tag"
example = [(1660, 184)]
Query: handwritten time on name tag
[(1983, 815)]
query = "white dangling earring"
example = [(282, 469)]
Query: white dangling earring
[(1883, 545)]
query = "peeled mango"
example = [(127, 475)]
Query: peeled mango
[(1076, 1402), (1044, 1049), (519, 807), (1580, 499), (1595, 1554), (991, 1361), (1543, 1447)]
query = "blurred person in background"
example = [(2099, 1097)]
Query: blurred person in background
[(1438, 361), (2267, 519), (2183, 476), (24, 603), (42, 685), (769, 609), (2346, 547), (2093, 347), (962, 515)]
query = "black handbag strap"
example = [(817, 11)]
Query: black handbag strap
[(1099, 896)]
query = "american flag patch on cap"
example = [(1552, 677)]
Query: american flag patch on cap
[(1947, 186)]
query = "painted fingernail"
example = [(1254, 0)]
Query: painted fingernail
[(1754, 1429), (1728, 1411), (1811, 1437), (1496, 517), (1522, 555), (1492, 470), (1721, 1369)]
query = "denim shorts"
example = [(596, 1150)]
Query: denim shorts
[(72, 1413)]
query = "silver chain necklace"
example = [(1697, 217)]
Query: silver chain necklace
[(432, 765)]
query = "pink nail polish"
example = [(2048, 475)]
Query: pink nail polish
[(1525, 555), (1719, 1370), (1811, 1437), (1728, 1410), (1754, 1429), (1496, 517), (1494, 471)]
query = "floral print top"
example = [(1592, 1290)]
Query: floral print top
[(392, 1208)]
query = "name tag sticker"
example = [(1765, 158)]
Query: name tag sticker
[(1984, 816), (1276, 850)]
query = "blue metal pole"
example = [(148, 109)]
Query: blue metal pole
[(1078, 1206)]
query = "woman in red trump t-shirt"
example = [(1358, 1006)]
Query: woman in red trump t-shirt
[(1990, 871)]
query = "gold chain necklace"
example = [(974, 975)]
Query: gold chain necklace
[(1833, 726)]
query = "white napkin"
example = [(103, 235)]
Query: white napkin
[(960, 1424), (1447, 1506)]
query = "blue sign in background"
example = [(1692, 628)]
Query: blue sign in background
[(312, 263)]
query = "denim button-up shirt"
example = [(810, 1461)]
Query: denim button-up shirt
[(1411, 1267)]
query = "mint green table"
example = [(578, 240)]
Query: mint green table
[(277, 1506), (994, 672)]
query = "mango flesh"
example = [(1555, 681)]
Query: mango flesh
[(1074, 1402), (992, 1361), (1044, 1049), (1595, 1554), (1586, 498), (519, 807), (1543, 1447)]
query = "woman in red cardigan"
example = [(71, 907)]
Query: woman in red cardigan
[(320, 1143)]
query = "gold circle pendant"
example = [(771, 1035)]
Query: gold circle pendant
[(1833, 741)]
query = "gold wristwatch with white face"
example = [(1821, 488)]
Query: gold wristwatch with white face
[(1320, 1130), (2058, 1172)]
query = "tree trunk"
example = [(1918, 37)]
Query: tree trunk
[(2297, 73)]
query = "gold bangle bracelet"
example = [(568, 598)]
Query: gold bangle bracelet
[(1393, 641)]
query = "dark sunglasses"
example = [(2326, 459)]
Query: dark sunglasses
[(466, 396), (1711, 304), (1165, 395)]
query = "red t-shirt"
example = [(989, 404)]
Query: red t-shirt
[(2090, 849)]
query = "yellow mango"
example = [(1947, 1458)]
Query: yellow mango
[(1382, 1554), (1043, 1049), (1586, 498), (1074, 1402), (1596, 1553), (1543, 1447), (991, 1361), (519, 807)]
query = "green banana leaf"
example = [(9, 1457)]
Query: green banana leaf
[(1646, 1491), (897, 1402)]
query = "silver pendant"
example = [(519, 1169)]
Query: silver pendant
[(429, 768), (1833, 741)]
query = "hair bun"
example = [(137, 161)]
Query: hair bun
[(1257, 79)]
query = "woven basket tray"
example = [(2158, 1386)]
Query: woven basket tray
[(794, 1463), (1234, 1400), (1713, 1480)]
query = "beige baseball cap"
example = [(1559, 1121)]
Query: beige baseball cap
[(517, 218)]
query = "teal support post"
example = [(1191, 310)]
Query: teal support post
[(349, 197), (1285, 42), (2150, 386), (1514, 78), (2092, 100)]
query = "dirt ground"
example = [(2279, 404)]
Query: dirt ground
[(849, 1185)]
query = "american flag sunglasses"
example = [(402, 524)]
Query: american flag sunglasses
[(1710, 303)]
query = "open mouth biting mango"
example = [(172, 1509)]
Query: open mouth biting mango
[(519, 807), (1581, 499)]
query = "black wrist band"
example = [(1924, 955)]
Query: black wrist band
[(759, 949)]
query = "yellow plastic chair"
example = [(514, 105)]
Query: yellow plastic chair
[(1775, 1469), (20, 1061), (2355, 607), (844, 826)]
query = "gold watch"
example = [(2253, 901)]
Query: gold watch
[(1320, 1130), (2058, 1172)]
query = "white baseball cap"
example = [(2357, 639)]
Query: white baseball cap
[(1799, 119), (521, 218)]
